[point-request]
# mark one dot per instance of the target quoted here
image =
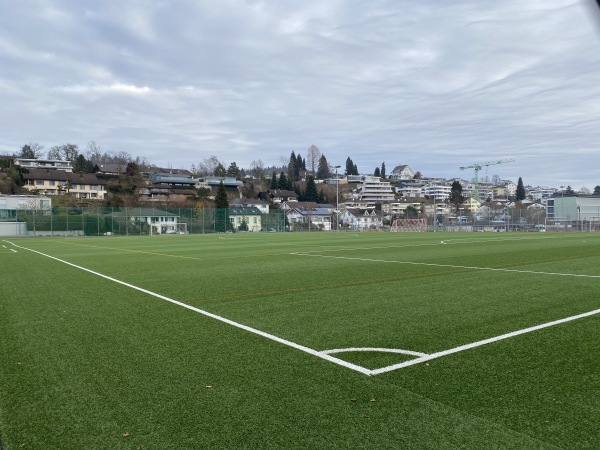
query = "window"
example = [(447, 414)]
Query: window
[(51, 183), (39, 182)]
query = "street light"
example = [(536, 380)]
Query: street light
[(337, 199)]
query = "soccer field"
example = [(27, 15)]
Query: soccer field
[(300, 340)]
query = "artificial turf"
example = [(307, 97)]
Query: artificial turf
[(88, 363)]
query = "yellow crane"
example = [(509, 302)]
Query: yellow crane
[(478, 166)]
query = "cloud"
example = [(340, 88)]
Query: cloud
[(433, 85)]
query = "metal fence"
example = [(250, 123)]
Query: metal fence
[(91, 221)]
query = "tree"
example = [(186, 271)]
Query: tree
[(456, 197), (496, 180), (274, 183), (283, 182), (417, 176), (220, 171), (597, 190), (208, 166), (312, 157), (383, 174), (311, 194), (33, 150), (258, 168), (520, 190), (233, 170), (569, 191), (66, 152), (222, 204), (376, 172), (82, 165), (294, 167), (243, 226), (132, 169), (351, 168), (323, 170)]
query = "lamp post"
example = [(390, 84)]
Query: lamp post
[(337, 199)]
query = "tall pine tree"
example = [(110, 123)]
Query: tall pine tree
[(520, 190), (323, 170), (222, 205)]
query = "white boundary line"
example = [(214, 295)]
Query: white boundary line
[(491, 269), (213, 316), (372, 349), (480, 343)]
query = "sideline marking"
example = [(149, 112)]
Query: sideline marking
[(491, 269), (308, 350)]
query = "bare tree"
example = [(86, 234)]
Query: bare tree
[(209, 165), (66, 152), (313, 155), (258, 168)]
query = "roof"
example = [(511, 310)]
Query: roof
[(143, 212), (59, 175), (282, 193), (171, 171), (112, 168), (249, 211)]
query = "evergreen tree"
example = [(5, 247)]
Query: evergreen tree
[(311, 194), (233, 170), (597, 190), (355, 170), (283, 181), (220, 171), (376, 172), (293, 169), (456, 197), (349, 166), (520, 190), (273, 182), (222, 205), (323, 170), (221, 201), (383, 174), (569, 191)]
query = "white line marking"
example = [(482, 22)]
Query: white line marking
[(13, 250), (374, 349), (480, 343), (452, 266), (213, 316)]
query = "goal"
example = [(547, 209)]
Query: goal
[(405, 225), (168, 228)]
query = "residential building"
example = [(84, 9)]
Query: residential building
[(54, 182), (402, 172), (251, 216), (51, 164), (373, 189), (361, 219), (438, 190), (261, 205)]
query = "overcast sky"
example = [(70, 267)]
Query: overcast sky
[(435, 84)]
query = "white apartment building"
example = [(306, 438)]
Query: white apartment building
[(372, 189), (439, 191)]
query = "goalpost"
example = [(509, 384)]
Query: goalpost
[(171, 228), (404, 225)]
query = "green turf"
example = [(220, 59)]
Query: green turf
[(88, 363)]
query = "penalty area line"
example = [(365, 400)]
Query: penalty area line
[(271, 337)]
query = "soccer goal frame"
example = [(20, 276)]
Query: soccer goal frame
[(409, 225), (168, 228)]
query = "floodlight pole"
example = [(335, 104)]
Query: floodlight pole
[(337, 199)]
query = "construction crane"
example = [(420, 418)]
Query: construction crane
[(478, 166)]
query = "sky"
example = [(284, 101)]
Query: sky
[(434, 84)]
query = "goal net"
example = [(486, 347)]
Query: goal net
[(399, 225), (168, 228)]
